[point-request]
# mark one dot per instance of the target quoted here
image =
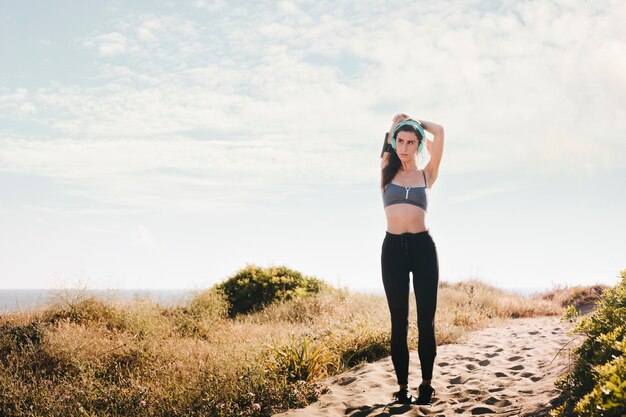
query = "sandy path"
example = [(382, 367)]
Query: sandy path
[(506, 371)]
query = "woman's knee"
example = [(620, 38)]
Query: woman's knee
[(426, 323)]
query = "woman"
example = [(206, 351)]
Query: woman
[(409, 247)]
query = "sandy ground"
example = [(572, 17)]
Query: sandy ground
[(507, 370)]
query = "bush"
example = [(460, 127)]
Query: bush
[(252, 288), (199, 317), (608, 397), (15, 337), (141, 318), (599, 359), (84, 310)]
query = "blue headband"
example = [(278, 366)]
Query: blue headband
[(414, 124)]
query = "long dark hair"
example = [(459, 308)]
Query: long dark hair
[(394, 163)]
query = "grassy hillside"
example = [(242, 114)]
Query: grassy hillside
[(84, 356)]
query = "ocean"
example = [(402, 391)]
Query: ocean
[(12, 300)]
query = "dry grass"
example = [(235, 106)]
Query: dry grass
[(83, 356), (583, 298)]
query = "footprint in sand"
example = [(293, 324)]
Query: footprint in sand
[(473, 391), (346, 380), (484, 362), (470, 367), (514, 358), (517, 368), (497, 402), (501, 375), (482, 410), (491, 355), (458, 380), (497, 389), (534, 332)]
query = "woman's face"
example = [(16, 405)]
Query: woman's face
[(406, 145)]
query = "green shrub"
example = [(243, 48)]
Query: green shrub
[(604, 329), (608, 397), (599, 358), (253, 287)]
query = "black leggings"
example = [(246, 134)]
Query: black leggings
[(401, 254)]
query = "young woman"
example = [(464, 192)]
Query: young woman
[(409, 247)]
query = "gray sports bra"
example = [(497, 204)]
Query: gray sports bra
[(398, 194)]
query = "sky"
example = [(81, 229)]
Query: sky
[(170, 144)]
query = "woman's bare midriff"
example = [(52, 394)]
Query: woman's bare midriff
[(403, 218)]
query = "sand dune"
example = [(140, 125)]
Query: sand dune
[(507, 370)]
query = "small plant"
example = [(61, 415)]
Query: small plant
[(302, 360), (570, 314)]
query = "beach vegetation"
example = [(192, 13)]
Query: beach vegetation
[(207, 356), (596, 384), (580, 298), (254, 287)]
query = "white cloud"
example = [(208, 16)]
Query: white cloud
[(178, 174), (276, 30), (210, 5), (288, 6), (534, 83), (108, 44), (28, 108), (145, 31)]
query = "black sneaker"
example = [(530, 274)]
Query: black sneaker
[(425, 396), (403, 396)]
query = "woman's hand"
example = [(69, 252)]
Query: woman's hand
[(397, 119)]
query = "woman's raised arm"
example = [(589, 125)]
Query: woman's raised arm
[(435, 150)]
